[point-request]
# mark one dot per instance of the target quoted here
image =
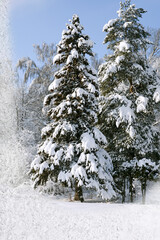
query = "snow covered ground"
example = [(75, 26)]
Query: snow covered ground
[(27, 215)]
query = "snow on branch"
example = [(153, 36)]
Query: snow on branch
[(156, 96)]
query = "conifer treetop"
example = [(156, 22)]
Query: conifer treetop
[(75, 41), (127, 27), (127, 40)]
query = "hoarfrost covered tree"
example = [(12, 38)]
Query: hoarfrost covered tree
[(40, 75), (129, 88), (13, 155), (71, 151)]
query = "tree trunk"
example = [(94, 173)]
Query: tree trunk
[(131, 188), (124, 191), (78, 193), (144, 186)]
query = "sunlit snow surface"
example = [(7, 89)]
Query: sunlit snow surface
[(25, 214)]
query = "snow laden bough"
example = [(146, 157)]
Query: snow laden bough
[(71, 151)]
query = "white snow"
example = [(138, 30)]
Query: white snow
[(83, 42), (111, 69), (69, 110), (64, 176), (130, 130), (101, 173), (78, 172), (27, 215), (48, 147), (141, 104), (88, 142), (80, 183), (99, 136), (60, 109), (57, 156), (51, 151), (74, 31), (70, 152), (79, 92), (43, 166), (92, 164), (156, 96), (56, 58), (69, 59), (126, 114), (126, 24), (63, 127), (104, 159), (123, 46), (91, 88), (74, 53), (82, 158), (36, 162), (146, 162), (56, 131), (46, 129), (109, 24), (55, 84), (119, 59)]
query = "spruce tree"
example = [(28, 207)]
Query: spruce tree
[(71, 152), (128, 86)]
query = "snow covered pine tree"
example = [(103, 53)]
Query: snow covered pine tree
[(128, 87), (71, 150)]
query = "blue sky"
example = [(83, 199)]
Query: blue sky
[(38, 21)]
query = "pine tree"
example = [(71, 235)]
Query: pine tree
[(71, 151), (128, 86)]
